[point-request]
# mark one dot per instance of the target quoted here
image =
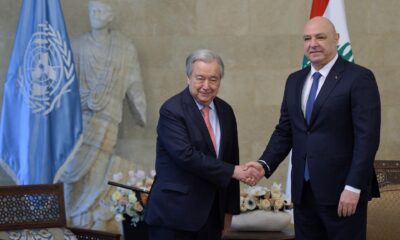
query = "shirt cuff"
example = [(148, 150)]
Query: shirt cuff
[(264, 164), (352, 189)]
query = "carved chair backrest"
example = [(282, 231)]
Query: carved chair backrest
[(387, 172), (32, 206), (384, 212)]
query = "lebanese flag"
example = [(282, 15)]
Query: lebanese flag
[(334, 10)]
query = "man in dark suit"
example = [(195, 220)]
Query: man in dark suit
[(193, 195), (330, 118)]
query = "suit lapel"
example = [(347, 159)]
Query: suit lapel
[(299, 91), (334, 75), (195, 114), (222, 118)]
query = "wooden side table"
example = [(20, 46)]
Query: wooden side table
[(286, 234)]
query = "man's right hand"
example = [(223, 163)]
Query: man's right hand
[(249, 173)]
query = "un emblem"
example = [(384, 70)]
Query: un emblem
[(47, 70)]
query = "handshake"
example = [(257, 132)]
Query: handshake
[(249, 173)]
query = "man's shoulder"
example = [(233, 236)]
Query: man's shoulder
[(351, 66), (299, 74), (222, 103), (342, 65), (175, 100)]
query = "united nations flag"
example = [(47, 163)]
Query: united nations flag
[(41, 121)]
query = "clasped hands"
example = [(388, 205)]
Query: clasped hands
[(249, 173)]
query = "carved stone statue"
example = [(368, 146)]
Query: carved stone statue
[(108, 71)]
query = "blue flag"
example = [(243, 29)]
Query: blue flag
[(41, 120)]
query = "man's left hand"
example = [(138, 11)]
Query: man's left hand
[(348, 203)]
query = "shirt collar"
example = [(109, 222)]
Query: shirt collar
[(200, 106), (325, 69)]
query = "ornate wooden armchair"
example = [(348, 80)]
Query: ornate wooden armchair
[(24, 209), (384, 212)]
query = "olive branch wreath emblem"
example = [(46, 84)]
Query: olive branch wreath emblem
[(47, 97)]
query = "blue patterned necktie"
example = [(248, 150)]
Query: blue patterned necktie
[(309, 107)]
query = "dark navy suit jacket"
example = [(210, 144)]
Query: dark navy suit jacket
[(189, 175), (341, 142)]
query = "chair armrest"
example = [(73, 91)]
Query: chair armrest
[(87, 234)]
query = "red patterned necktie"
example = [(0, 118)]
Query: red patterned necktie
[(206, 117)]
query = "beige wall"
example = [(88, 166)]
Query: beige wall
[(260, 41)]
